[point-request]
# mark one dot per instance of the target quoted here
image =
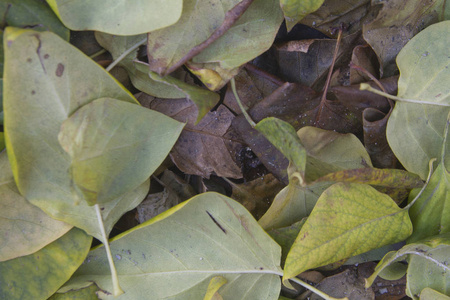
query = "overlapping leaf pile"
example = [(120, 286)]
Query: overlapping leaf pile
[(332, 172)]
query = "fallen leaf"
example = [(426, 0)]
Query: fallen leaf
[(333, 13), (40, 274), (86, 293), (207, 236), (348, 219), (414, 131), (123, 18), (295, 10), (108, 143), (48, 83), (210, 146), (285, 237), (430, 294), (363, 57), (395, 24), (25, 228)]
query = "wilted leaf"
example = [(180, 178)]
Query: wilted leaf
[(43, 87), (24, 227), (207, 236), (295, 10), (122, 18), (210, 146), (347, 220), (32, 14), (333, 13), (415, 132), (308, 61), (39, 275), (428, 265), (363, 57), (214, 285), (108, 145), (396, 23)]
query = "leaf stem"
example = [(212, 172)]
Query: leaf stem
[(100, 52), (125, 53), (367, 87), (117, 290), (238, 100), (424, 186)]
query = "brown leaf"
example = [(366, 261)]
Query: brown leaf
[(211, 146), (256, 195), (395, 24), (333, 13), (308, 61), (363, 56)]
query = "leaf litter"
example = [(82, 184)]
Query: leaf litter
[(318, 169)]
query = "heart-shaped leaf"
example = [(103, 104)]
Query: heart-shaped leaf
[(206, 236), (415, 132), (348, 219)]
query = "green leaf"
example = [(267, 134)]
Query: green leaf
[(46, 80), (250, 36), (206, 236), (112, 150), (430, 294), (415, 131), (39, 275), (430, 214), (347, 220), (295, 10), (428, 265), (291, 204), (24, 227), (285, 237), (284, 137), (31, 13), (121, 18), (329, 151)]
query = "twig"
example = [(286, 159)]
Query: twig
[(230, 18)]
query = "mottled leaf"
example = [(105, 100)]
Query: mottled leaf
[(347, 220), (39, 275), (24, 227)]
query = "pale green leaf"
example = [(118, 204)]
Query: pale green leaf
[(39, 275), (284, 137), (214, 285), (31, 13), (291, 204), (428, 265), (285, 237), (24, 228), (430, 294), (348, 219), (46, 80), (295, 10), (206, 236), (415, 132), (115, 146), (121, 17), (329, 151)]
